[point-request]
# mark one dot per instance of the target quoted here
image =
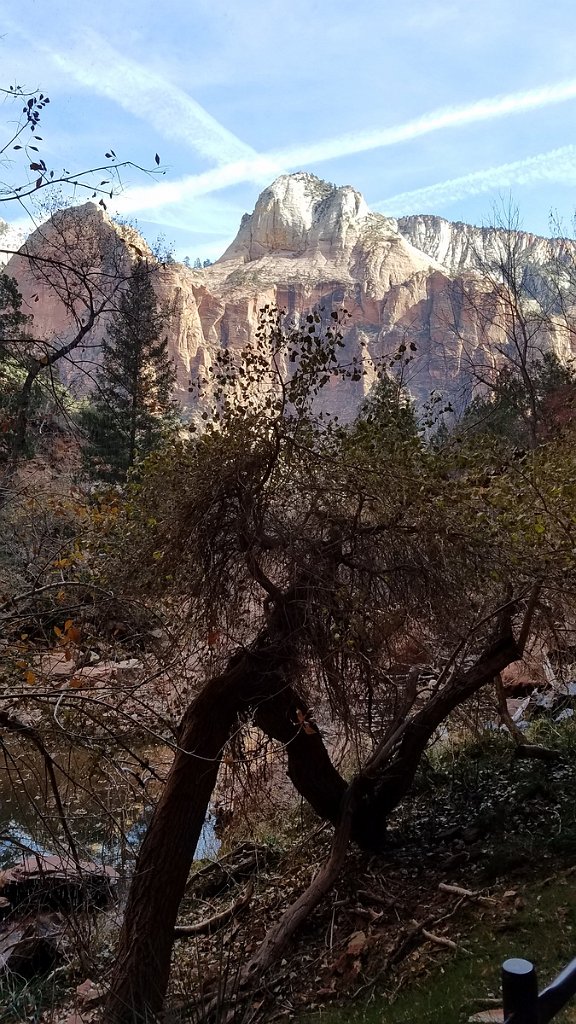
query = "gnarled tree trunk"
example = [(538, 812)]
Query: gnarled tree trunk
[(254, 679)]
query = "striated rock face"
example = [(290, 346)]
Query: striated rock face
[(462, 247), (300, 214), (308, 244)]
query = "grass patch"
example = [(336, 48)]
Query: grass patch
[(515, 822)]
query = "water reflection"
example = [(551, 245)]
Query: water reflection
[(108, 805)]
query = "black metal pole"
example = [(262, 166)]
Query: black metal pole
[(558, 993), (519, 992)]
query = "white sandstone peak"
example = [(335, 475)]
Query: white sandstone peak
[(299, 213)]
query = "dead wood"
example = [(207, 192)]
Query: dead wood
[(280, 934), (440, 940), (380, 899), (211, 924), (537, 752), (457, 890)]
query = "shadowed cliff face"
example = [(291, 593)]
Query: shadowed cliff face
[(308, 244)]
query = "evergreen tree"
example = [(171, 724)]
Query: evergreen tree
[(507, 410), (133, 408), (12, 320), (13, 353), (388, 413)]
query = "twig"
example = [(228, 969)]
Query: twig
[(457, 890), (211, 924), (440, 940)]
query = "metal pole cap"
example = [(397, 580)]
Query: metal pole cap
[(517, 965)]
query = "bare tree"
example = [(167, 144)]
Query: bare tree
[(521, 294), (23, 140)]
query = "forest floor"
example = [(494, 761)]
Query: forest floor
[(480, 865)]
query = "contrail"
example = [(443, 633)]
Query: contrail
[(558, 165), (98, 66), (450, 117), (261, 168)]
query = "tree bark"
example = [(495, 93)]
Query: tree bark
[(285, 717), (253, 680), (256, 680), (280, 934)]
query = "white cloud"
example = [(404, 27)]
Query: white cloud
[(558, 165), (99, 67), (261, 168), (207, 215)]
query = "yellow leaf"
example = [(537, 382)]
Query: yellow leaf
[(30, 677), (58, 631), (62, 563), (67, 624), (73, 634)]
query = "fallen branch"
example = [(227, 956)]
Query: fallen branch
[(219, 875), (409, 940), (534, 750), (211, 924), (457, 890), (378, 898), (440, 940), (279, 935)]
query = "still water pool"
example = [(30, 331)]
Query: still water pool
[(108, 805)]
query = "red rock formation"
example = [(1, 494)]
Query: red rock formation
[(306, 245)]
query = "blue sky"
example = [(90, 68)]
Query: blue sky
[(432, 106)]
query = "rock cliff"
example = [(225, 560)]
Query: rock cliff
[(308, 244)]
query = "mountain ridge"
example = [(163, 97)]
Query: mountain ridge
[(309, 244)]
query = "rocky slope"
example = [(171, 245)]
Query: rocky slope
[(307, 244)]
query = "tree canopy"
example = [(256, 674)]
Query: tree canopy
[(331, 567)]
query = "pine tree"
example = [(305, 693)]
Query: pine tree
[(14, 352), (12, 320), (133, 408)]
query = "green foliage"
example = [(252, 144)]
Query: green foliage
[(506, 411), (133, 409), (12, 320), (396, 543), (389, 411), (49, 401)]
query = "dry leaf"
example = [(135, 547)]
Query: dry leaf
[(356, 943)]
